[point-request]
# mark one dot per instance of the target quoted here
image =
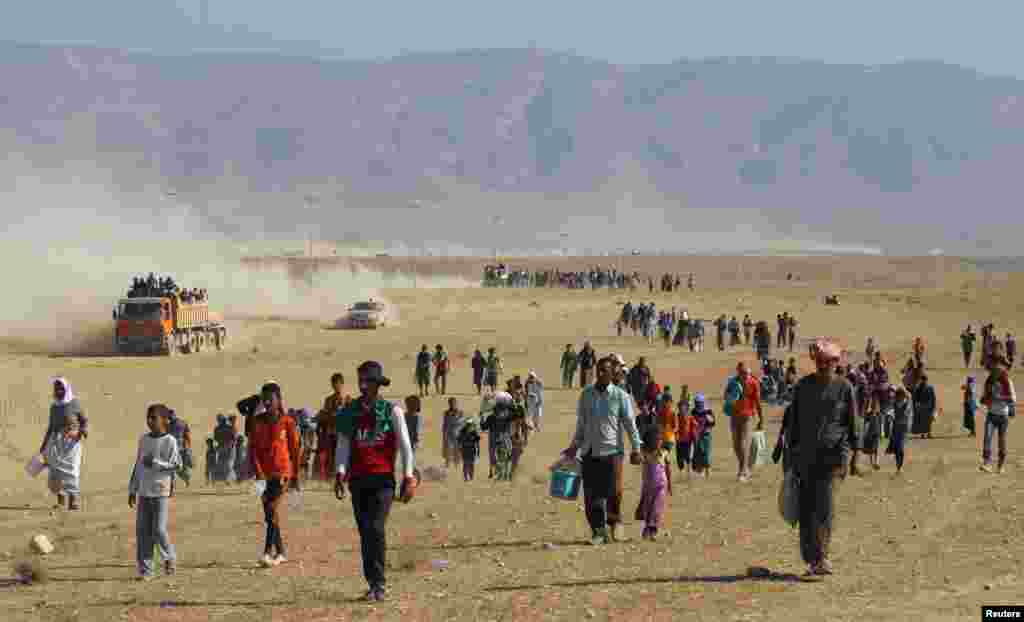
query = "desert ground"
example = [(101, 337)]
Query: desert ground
[(934, 544)]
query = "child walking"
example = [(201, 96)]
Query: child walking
[(469, 445), (903, 414), (64, 460), (656, 483), (151, 489), (274, 456), (704, 420), (686, 436)]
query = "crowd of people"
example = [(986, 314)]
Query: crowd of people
[(598, 277), (675, 327), (831, 418), (164, 287)]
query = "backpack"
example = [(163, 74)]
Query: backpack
[(733, 394)]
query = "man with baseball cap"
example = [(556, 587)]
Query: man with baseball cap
[(821, 437), (371, 431)]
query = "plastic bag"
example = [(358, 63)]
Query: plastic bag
[(789, 499), (295, 500), (36, 465), (759, 451)]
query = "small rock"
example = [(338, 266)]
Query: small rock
[(988, 586), (433, 515), (948, 580), (590, 613), (41, 544), (548, 546)]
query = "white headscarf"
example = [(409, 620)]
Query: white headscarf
[(68, 394)]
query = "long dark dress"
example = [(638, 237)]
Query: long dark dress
[(924, 409)]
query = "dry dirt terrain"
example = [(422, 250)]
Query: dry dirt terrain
[(934, 544)]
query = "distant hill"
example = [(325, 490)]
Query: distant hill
[(905, 157)]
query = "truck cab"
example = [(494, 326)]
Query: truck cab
[(143, 325)]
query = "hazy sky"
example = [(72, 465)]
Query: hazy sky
[(984, 35)]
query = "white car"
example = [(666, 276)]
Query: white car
[(367, 314)]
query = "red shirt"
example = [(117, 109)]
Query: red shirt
[(372, 453), (274, 447), (747, 405)]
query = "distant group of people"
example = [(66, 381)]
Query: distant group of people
[(598, 277), (153, 286), (676, 328), (992, 348)]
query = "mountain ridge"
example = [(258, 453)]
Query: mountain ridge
[(895, 151)]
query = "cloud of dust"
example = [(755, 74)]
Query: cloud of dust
[(73, 243)]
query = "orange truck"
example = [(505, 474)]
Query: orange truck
[(164, 325)]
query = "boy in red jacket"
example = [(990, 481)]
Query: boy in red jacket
[(274, 455)]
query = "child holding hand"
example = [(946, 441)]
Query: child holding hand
[(656, 483)]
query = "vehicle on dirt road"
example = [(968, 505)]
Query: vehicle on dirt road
[(165, 325), (365, 314)]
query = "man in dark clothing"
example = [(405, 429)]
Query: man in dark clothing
[(638, 379), (1011, 349), (586, 360), (924, 408), (967, 339), (820, 435), (478, 370), (423, 371), (782, 320), (720, 325), (762, 341)]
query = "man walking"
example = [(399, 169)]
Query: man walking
[(791, 325), (534, 399), (371, 435), (820, 437), (967, 339), (587, 359), (748, 329), (604, 412), (742, 417), (441, 364), (568, 366), (423, 371)]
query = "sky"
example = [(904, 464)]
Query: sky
[(984, 36)]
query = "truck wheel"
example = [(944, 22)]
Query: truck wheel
[(199, 342), (218, 340), (187, 346)]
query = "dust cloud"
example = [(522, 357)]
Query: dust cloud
[(72, 246)]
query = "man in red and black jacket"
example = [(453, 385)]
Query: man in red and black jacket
[(371, 431)]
